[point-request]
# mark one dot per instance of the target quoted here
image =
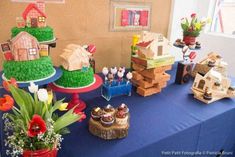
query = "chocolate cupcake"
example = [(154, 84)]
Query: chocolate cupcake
[(123, 108), (96, 113), (121, 118), (207, 96), (109, 109), (107, 120)]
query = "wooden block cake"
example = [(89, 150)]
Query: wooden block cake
[(76, 68), (110, 123), (150, 64), (26, 55)]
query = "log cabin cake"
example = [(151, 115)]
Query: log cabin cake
[(26, 59), (76, 68), (33, 21)]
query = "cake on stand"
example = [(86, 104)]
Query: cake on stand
[(76, 101)]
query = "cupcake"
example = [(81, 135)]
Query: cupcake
[(121, 118), (123, 108), (109, 109), (207, 95), (107, 120), (96, 113)]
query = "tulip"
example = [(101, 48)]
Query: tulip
[(83, 116), (36, 126), (6, 103), (12, 81), (63, 107), (33, 88), (42, 95), (193, 15), (50, 97)]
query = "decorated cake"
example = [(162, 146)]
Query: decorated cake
[(25, 59), (76, 68), (33, 21)]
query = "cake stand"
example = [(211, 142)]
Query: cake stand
[(57, 74), (76, 101)]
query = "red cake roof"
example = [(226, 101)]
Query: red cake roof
[(144, 44), (30, 7)]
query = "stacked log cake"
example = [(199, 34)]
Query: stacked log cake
[(150, 64), (150, 81)]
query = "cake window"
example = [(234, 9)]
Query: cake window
[(32, 51), (41, 19)]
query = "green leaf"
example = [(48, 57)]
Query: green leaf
[(65, 120)]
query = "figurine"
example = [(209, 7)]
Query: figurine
[(120, 76), (110, 78), (129, 77), (105, 72), (113, 71)]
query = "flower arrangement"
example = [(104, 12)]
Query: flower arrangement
[(193, 27), (33, 124)]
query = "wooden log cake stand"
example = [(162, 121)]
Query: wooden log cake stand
[(149, 76), (108, 133)]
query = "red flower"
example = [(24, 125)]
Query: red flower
[(6, 103), (193, 15), (36, 126), (12, 81), (83, 116)]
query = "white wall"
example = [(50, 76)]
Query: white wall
[(222, 44)]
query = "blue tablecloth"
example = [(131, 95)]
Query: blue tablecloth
[(165, 124)]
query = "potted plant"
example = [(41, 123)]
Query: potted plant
[(33, 129), (192, 28)]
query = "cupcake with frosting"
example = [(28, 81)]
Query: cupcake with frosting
[(109, 109), (121, 118), (96, 113), (123, 108), (107, 120)]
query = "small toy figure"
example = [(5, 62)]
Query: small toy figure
[(120, 76), (105, 72), (85, 66), (188, 55), (110, 78), (129, 77), (113, 71)]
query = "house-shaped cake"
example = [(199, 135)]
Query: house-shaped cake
[(212, 87), (153, 45), (34, 14), (212, 60), (75, 57), (25, 47)]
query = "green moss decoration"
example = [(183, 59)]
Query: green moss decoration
[(28, 70), (42, 34), (76, 78)]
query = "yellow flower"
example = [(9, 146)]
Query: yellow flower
[(50, 97), (198, 25), (63, 107), (209, 20)]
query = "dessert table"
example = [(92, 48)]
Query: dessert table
[(171, 123)]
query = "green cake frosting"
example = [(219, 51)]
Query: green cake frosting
[(42, 34), (28, 70), (77, 78)]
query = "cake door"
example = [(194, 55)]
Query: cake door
[(22, 55), (34, 22)]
